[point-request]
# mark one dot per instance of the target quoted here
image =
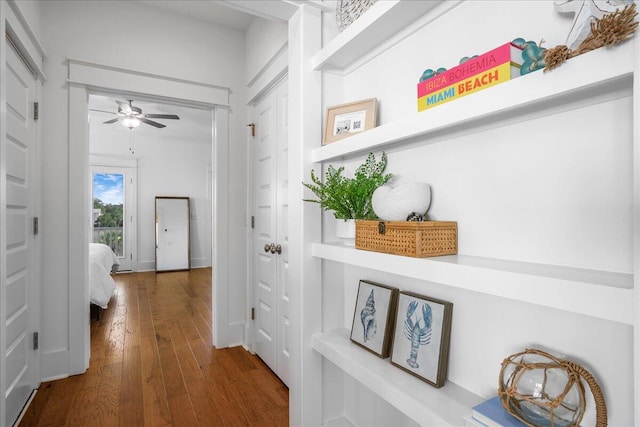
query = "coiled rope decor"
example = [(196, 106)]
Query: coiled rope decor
[(348, 11), (540, 389)]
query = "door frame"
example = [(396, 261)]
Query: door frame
[(100, 164), (86, 78)]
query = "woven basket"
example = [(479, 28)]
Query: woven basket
[(408, 238), (348, 11)]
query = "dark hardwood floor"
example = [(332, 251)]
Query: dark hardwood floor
[(152, 364)]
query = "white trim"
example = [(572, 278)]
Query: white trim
[(282, 50), (116, 161), (268, 76), (22, 34), (86, 78), (26, 406), (305, 87), (220, 294), (636, 225), (101, 76), (55, 364), (15, 7), (3, 210)]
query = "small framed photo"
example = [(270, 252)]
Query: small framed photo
[(421, 339), (347, 119), (373, 317)]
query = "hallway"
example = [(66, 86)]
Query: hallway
[(152, 364)]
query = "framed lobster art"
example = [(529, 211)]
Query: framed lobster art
[(373, 317), (421, 339)]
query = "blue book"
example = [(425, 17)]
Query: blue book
[(492, 414)]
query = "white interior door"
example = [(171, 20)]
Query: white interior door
[(21, 272), (113, 199), (270, 246)]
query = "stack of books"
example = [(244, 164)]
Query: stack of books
[(490, 413), (496, 66)]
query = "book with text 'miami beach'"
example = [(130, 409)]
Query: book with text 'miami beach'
[(489, 69)]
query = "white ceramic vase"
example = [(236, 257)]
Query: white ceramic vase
[(396, 203), (346, 231)]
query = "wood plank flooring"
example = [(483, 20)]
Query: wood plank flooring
[(152, 364)]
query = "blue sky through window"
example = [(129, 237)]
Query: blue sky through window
[(108, 187)]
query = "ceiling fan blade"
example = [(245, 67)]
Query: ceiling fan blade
[(162, 116), (152, 123), (102, 111), (124, 107), (108, 122)]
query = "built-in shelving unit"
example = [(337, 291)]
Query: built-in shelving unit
[(421, 402), (526, 94), (594, 293), (383, 20), (608, 296)]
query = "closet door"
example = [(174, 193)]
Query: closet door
[(270, 243), (172, 234), (21, 273)]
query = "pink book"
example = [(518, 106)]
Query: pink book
[(507, 52)]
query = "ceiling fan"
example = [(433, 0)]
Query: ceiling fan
[(131, 116)]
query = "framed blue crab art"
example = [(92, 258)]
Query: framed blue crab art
[(373, 317), (421, 338)]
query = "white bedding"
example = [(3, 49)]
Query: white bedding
[(101, 262)]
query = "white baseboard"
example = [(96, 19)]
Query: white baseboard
[(54, 365), (339, 422), (25, 407), (200, 263), (143, 266)]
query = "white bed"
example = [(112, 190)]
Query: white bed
[(102, 261)]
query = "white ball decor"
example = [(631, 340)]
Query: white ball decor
[(396, 203)]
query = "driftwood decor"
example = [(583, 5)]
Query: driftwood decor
[(610, 30)]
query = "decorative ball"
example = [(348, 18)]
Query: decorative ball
[(427, 74), (540, 389), (396, 203)]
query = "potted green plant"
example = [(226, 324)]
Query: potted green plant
[(349, 198)]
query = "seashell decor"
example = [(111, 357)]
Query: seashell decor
[(396, 203)]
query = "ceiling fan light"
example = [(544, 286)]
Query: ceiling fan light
[(130, 122)]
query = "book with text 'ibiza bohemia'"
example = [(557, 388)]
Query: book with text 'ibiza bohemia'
[(491, 414), (496, 66)]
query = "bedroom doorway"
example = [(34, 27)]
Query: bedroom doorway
[(113, 211)]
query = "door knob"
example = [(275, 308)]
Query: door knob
[(278, 249), (273, 248), (267, 247)]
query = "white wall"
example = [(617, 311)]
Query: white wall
[(168, 165), (143, 39), (263, 40), (534, 188)]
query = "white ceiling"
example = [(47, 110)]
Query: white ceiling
[(214, 12), (236, 14)]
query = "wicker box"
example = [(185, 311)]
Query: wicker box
[(408, 238)]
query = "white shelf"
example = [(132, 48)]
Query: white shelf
[(578, 78), (420, 401), (600, 294), (380, 22)]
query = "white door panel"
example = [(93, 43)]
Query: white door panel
[(270, 269), (20, 358)]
